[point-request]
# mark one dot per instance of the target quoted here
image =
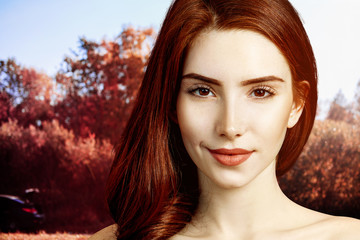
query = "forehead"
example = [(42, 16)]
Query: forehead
[(240, 54)]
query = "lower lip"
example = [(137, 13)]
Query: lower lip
[(231, 160)]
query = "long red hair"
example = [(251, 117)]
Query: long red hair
[(152, 188)]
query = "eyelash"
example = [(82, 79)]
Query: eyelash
[(200, 87), (268, 90)]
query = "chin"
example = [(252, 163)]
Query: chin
[(236, 177), (226, 179)]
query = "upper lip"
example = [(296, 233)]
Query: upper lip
[(234, 151)]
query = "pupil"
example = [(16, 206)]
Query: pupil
[(204, 91), (259, 93)]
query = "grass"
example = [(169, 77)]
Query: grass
[(43, 236)]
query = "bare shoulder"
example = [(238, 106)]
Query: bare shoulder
[(334, 228), (317, 225), (344, 228), (325, 227), (107, 233)]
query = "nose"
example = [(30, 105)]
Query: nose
[(230, 122)]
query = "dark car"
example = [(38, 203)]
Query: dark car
[(18, 214)]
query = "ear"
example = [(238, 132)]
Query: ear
[(295, 114), (299, 103)]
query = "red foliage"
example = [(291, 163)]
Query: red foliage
[(70, 173), (101, 83), (56, 133), (25, 94), (326, 177)]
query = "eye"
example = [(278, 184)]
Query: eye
[(202, 92), (262, 92)]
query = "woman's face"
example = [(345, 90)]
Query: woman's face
[(234, 105)]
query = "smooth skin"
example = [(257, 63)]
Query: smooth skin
[(236, 92)]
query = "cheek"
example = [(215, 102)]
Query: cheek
[(194, 121), (272, 128)]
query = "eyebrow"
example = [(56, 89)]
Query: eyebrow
[(242, 83), (202, 78)]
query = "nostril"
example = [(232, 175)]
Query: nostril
[(230, 133), (229, 126)]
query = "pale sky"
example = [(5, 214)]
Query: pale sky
[(39, 33)]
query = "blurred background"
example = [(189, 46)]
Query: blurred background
[(69, 73)]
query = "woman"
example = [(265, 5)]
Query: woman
[(226, 105)]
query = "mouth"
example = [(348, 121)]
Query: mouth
[(230, 157)]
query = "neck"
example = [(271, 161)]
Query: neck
[(250, 208)]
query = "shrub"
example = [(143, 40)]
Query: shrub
[(326, 177), (70, 173)]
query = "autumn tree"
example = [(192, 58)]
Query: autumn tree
[(25, 94), (100, 83), (326, 177), (55, 133), (70, 173), (357, 103), (338, 110)]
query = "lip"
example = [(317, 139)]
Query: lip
[(230, 157)]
